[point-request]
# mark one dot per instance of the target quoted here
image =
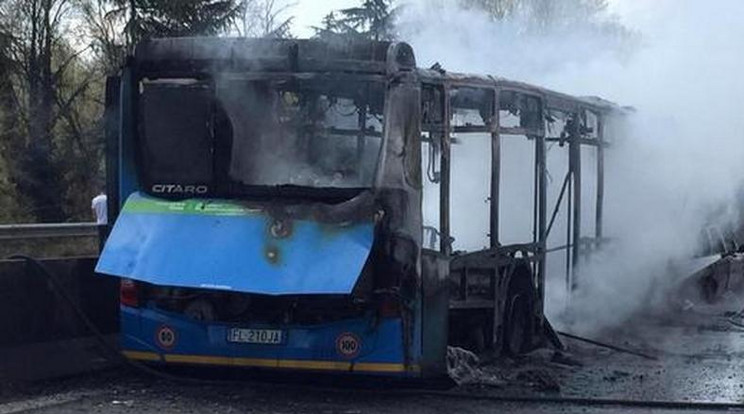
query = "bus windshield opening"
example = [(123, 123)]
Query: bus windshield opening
[(232, 134), (302, 133)]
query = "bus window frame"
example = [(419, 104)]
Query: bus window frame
[(260, 192)]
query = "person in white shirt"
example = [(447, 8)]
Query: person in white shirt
[(99, 207)]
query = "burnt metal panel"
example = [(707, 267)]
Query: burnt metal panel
[(175, 134), (600, 179), (575, 167), (435, 315), (495, 176), (111, 124), (553, 99), (445, 239), (209, 244), (542, 235), (212, 54)]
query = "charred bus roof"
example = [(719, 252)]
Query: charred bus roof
[(274, 55), (310, 55), (553, 99)]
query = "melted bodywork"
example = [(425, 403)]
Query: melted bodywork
[(238, 217), (207, 244), (224, 227)]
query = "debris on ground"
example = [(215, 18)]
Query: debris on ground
[(563, 359), (464, 368), (616, 375), (539, 380)]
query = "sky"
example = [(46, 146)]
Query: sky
[(309, 13), (666, 176)]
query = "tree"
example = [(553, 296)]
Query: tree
[(373, 19), (49, 105), (266, 18), (51, 91), (80, 136), (549, 16), (497, 9), (36, 28), (168, 18), (10, 204), (104, 22)]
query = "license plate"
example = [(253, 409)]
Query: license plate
[(255, 336)]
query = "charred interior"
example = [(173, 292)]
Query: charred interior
[(296, 206), (304, 134), (241, 137), (296, 146), (496, 282)]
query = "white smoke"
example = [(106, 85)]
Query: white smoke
[(682, 152)]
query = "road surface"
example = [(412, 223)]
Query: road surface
[(700, 358)]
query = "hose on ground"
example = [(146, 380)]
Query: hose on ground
[(608, 346), (113, 354), (117, 356)]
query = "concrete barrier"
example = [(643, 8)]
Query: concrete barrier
[(40, 330)]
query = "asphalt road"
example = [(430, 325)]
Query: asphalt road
[(139, 395), (700, 358)]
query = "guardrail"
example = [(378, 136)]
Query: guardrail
[(41, 335), (47, 230)]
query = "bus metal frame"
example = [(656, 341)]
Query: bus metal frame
[(513, 271), (497, 256)]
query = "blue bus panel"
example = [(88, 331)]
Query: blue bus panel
[(220, 245), (344, 346)]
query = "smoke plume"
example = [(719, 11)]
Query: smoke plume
[(678, 63)]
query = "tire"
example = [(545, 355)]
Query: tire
[(477, 339), (200, 310), (518, 326)]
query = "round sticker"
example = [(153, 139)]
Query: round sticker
[(165, 337), (348, 345)]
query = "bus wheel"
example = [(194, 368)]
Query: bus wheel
[(200, 310), (477, 339), (517, 330)]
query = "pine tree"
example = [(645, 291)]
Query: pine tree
[(168, 18), (373, 19)]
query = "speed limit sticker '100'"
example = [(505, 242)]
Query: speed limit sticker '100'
[(165, 337), (348, 345)]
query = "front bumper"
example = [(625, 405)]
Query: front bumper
[(156, 336)]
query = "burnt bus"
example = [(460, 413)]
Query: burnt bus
[(267, 206)]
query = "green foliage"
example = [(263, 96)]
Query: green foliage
[(31, 111), (103, 25), (115, 26), (267, 19), (589, 20), (497, 9), (167, 18), (10, 205), (54, 57), (548, 16), (373, 19)]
